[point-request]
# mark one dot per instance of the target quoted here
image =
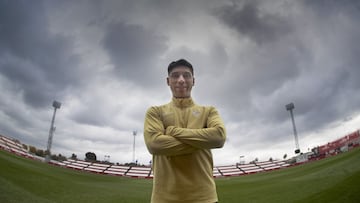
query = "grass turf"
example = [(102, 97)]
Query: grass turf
[(335, 179)]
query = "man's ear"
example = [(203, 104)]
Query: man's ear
[(193, 81), (167, 81)]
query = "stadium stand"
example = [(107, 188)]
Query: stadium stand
[(269, 165), (232, 170), (332, 148), (14, 147), (250, 168), (138, 172), (117, 170), (76, 164), (3, 144), (97, 168), (282, 164), (58, 163), (216, 172), (342, 144)]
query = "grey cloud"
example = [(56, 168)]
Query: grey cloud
[(91, 116), (247, 19), (214, 62), (134, 51), (39, 62), (330, 8)]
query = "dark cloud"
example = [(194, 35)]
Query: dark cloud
[(249, 21), (134, 51), (37, 62), (336, 83), (331, 8)]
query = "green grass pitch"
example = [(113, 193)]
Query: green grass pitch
[(335, 179)]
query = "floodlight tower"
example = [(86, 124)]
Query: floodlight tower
[(290, 107), (134, 134), (56, 105)]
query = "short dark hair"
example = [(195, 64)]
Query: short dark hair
[(180, 62)]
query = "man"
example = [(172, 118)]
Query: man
[(180, 136)]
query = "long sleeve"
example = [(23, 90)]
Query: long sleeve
[(159, 143), (180, 136), (213, 136)]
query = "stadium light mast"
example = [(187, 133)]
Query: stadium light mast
[(56, 105), (290, 107), (134, 134)]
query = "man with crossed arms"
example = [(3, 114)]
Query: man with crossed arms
[(180, 136)]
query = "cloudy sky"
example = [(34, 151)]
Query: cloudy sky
[(106, 61)]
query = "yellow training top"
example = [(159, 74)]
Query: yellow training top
[(180, 136)]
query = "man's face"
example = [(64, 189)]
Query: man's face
[(181, 82)]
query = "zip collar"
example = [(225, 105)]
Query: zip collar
[(182, 102)]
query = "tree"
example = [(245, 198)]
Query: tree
[(32, 149), (40, 152), (90, 156), (54, 157), (73, 156), (25, 146), (58, 157)]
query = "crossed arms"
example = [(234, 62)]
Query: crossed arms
[(173, 141)]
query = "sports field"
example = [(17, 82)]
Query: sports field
[(335, 179)]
